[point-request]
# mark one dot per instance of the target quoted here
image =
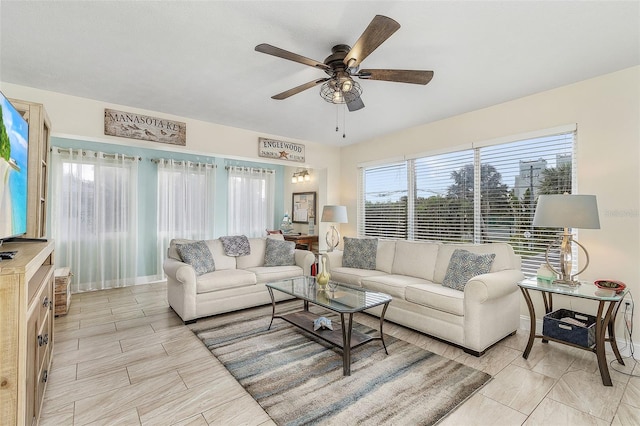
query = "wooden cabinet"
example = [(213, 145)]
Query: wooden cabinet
[(26, 330), (39, 140)]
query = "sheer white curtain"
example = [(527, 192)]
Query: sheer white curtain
[(95, 217), (251, 201), (185, 207)]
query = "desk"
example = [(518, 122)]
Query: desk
[(605, 318), (302, 239)]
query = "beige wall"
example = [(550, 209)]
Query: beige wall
[(606, 110)]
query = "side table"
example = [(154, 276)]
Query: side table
[(605, 318)]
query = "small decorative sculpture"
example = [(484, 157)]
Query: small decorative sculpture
[(324, 276), (322, 322)]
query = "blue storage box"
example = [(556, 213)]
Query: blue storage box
[(581, 335)]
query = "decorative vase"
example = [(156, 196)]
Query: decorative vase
[(323, 277)]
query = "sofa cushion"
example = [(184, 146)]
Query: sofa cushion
[(385, 255), (279, 253), (256, 258), (505, 257), (465, 265), (266, 274), (360, 253), (236, 245), (437, 297), (393, 285), (222, 260), (225, 279), (416, 259), (198, 255), (352, 276)]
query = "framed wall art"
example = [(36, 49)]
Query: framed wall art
[(303, 207)]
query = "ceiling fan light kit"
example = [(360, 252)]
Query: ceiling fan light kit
[(343, 64)]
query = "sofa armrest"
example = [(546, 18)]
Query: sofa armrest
[(304, 259), (181, 288), (493, 285), (334, 259), (179, 271)]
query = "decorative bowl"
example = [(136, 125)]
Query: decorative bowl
[(617, 286)]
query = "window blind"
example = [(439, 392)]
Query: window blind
[(444, 197), (382, 210), (514, 175), (481, 195)]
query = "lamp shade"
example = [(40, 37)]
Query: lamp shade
[(567, 211), (335, 214)]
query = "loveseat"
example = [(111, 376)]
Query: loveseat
[(229, 282), (473, 314)]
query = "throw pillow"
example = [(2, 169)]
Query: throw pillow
[(198, 255), (360, 253), (279, 253), (236, 245), (465, 265)]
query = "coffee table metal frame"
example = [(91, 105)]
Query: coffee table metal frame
[(344, 300), (605, 318)]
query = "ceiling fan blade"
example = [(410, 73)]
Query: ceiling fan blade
[(285, 54), (380, 28), (355, 104), (298, 89), (400, 76)]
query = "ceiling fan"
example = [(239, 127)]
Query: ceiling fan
[(344, 63)]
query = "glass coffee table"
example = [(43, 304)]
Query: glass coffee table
[(343, 300)]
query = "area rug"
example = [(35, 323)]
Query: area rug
[(298, 380)]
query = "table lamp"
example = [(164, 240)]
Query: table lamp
[(333, 214), (566, 211)]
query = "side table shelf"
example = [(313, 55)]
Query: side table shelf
[(608, 305)]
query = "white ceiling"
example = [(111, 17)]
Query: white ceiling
[(197, 59)]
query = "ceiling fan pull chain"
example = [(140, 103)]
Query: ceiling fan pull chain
[(337, 118), (344, 120)]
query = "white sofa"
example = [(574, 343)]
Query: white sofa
[(237, 282), (412, 273)]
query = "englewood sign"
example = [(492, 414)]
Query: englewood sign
[(144, 127), (280, 150)]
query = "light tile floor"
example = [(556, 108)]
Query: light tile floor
[(123, 357)]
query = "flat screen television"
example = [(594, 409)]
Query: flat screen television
[(14, 159)]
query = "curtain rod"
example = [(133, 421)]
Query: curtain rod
[(95, 154), (183, 162), (247, 169)]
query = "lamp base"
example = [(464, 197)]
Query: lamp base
[(332, 238), (566, 283)]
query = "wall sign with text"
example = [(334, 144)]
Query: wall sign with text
[(280, 150), (144, 127)]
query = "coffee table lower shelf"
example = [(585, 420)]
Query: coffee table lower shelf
[(304, 320), (343, 300)]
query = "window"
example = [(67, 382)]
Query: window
[(480, 195), (384, 202), (185, 202), (95, 217), (251, 201)]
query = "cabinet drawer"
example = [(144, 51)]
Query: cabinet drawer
[(43, 378), (44, 339), (45, 303), (42, 275)]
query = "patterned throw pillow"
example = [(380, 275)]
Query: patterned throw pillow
[(197, 255), (279, 253), (465, 265), (360, 253), (236, 245)]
